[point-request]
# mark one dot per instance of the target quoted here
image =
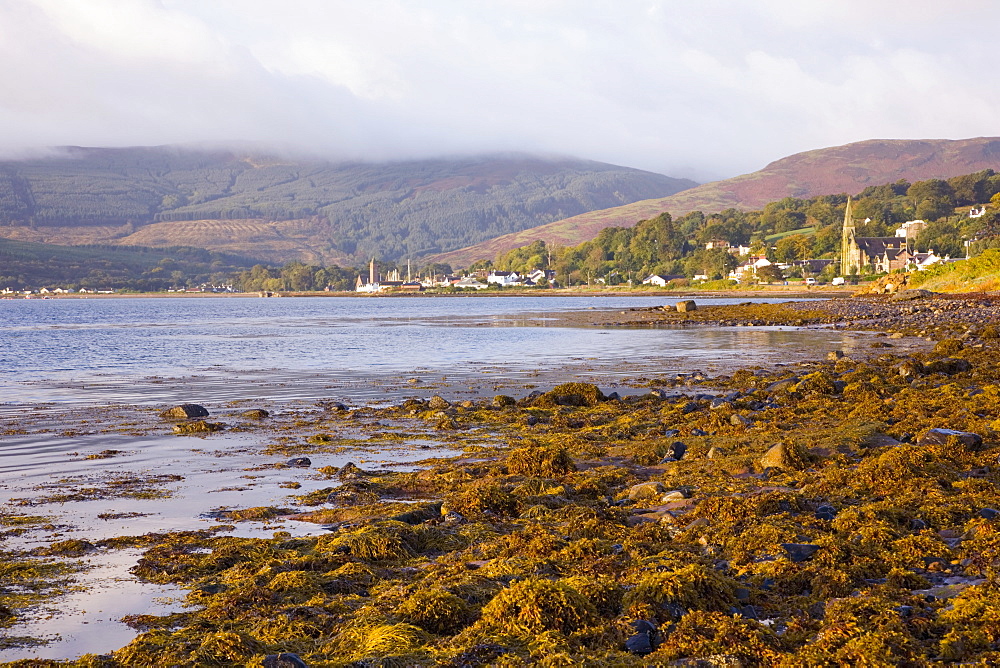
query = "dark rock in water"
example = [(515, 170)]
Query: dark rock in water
[(989, 513), (198, 427), (336, 406), (255, 414), (949, 366), (799, 552), (658, 393), (283, 660), (917, 524), (941, 436), (301, 462), (614, 396), (184, 411), (911, 294)]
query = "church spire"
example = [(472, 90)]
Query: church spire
[(848, 258)]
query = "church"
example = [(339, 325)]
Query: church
[(860, 255)]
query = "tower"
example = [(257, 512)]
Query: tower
[(371, 273)]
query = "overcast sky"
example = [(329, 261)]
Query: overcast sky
[(701, 89)]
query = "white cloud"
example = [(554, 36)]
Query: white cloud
[(692, 89)]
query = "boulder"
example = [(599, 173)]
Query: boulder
[(989, 513), (686, 306), (437, 403), (941, 436), (299, 462), (799, 552), (503, 401), (780, 456), (255, 414), (184, 411), (646, 490), (949, 366), (911, 294)]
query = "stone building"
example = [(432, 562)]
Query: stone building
[(859, 255)]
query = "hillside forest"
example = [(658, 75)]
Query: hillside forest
[(785, 230)]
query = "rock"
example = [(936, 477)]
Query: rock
[(699, 432), (686, 306), (198, 427), (671, 432), (989, 513), (677, 450), (646, 490), (715, 453), (949, 366), (673, 495), (780, 456), (255, 414), (283, 660), (350, 471), (835, 355), (917, 524), (911, 294), (738, 420), (437, 403), (571, 394), (910, 369), (799, 552), (503, 401), (645, 640), (184, 411), (783, 385), (300, 462), (941, 436), (336, 406)]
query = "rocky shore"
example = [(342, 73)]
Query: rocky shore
[(839, 511)]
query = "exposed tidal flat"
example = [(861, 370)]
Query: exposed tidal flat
[(504, 483)]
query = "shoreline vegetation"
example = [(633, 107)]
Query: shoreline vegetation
[(832, 511)]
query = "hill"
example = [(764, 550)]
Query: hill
[(278, 208), (840, 169)]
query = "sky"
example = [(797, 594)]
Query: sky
[(700, 89)]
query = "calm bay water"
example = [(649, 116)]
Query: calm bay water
[(154, 350)]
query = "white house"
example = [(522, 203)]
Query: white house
[(655, 279), (540, 276), (470, 282), (504, 278)]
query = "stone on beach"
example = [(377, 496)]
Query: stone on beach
[(686, 306), (940, 436), (184, 411), (646, 490)]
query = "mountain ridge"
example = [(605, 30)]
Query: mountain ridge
[(279, 208)]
